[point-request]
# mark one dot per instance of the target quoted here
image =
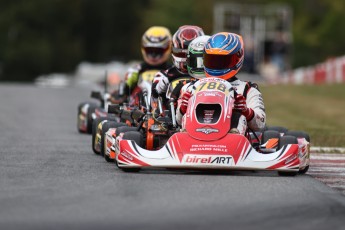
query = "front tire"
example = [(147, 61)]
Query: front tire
[(105, 127), (286, 140), (138, 138), (94, 131)]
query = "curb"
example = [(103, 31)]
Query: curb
[(319, 149)]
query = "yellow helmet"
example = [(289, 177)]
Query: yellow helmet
[(156, 45)]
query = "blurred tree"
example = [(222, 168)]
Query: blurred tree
[(41, 36), (173, 14)]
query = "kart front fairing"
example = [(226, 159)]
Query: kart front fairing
[(233, 151), (205, 141)]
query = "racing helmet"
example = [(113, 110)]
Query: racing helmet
[(180, 41), (195, 56), (156, 45), (224, 55)]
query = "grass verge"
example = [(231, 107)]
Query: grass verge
[(318, 110)]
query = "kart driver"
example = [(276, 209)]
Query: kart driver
[(179, 73), (223, 58), (156, 50)]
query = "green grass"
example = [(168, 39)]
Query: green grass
[(318, 110)]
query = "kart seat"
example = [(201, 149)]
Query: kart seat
[(208, 113)]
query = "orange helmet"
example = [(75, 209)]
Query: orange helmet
[(156, 45), (224, 55)]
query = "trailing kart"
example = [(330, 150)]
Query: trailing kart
[(136, 101), (89, 111), (204, 141), (155, 124)]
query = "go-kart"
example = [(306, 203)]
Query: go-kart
[(154, 124), (205, 141), (135, 100), (89, 111)]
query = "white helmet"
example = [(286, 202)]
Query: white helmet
[(195, 57)]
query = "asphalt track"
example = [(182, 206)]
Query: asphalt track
[(50, 179)]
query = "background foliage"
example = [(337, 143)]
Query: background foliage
[(44, 36)]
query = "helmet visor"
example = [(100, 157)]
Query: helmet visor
[(182, 53), (213, 61), (195, 61), (155, 51)]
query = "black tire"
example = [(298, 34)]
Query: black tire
[(138, 138), (283, 173), (94, 130), (91, 109), (135, 136), (280, 129), (125, 129), (269, 134), (299, 134), (105, 127), (130, 170), (286, 140), (304, 171)]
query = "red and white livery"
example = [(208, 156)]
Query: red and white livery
[(204, 141)]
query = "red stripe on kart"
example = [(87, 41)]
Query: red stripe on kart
[(282, 164)]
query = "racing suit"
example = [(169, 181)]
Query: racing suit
[(170, 79), (253, 100), (133, 74)]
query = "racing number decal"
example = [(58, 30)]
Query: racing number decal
[(177, 81), (148, 75), (212, 86)]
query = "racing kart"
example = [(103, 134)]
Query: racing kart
[(136, 101), (89, 111), (204, 141), (156, 121)]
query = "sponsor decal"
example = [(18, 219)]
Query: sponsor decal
[(127, 155), (209, 147), (207, 130), (211, 94), (290, 158), (207, 159)]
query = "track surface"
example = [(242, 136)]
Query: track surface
[(50, 179)]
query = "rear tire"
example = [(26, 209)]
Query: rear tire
[(280, 129), (281, 173), (135, 136), (94, 131), (105, 127), (125, 129), (286, 140), (304, 171), (299, 134), (269, 134)]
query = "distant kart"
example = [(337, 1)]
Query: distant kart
[(135, 101), (89, 111), (204, 142)]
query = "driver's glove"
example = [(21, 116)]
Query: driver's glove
[(241, 106), (184, 102)]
